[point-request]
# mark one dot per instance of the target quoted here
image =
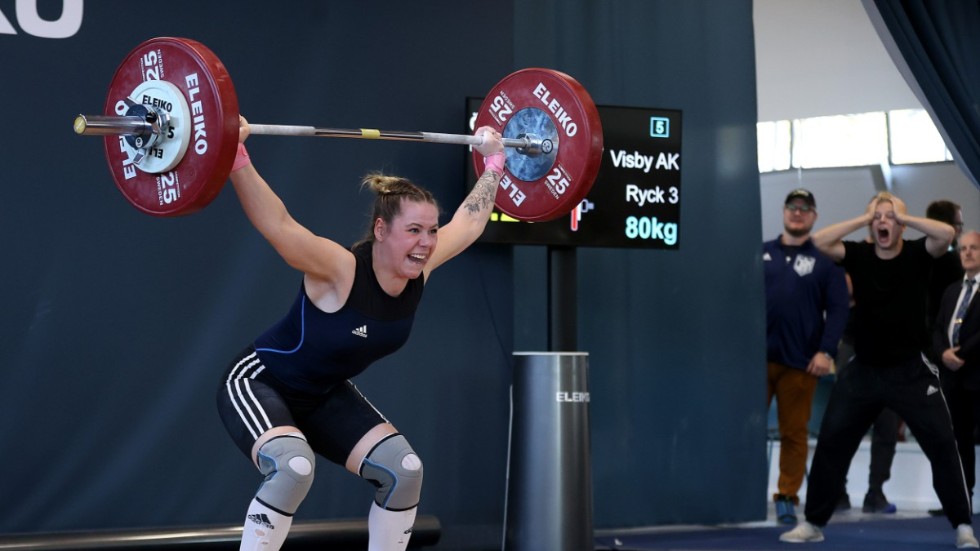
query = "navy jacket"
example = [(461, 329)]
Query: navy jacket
[(806, 303)]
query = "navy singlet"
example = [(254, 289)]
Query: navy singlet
[(310, 350)]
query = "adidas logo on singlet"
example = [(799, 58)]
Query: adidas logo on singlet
[(360, 331), (262, 520)]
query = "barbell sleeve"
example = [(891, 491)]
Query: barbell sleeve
[(108, 125)]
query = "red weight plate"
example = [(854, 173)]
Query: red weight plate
[(571, 115), (213, 135)]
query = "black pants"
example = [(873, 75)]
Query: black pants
[(884, 438), (964, 408), (912, 390)]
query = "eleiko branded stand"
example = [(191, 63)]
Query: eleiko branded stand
[(549, 482)]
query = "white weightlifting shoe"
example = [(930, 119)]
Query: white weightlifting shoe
[(805, 532), (965, 538)]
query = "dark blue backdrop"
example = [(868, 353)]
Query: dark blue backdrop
[(676, 338), (118, 324)]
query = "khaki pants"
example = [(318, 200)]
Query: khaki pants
[(793, 389)]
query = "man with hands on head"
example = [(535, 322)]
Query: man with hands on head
[(890, 276)]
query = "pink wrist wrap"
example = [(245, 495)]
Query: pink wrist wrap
[(241, 158), (495, 162)]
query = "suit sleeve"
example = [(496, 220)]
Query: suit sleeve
[(970, 333)]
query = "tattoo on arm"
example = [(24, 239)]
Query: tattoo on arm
[(483, 194)]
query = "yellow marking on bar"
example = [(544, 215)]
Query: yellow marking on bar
[(79, 124), (501, 217), (370, 133)]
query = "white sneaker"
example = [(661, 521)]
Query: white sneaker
[(965, 538), (805, 532)]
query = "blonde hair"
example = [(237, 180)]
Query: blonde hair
[(390, 191), (882, 196)]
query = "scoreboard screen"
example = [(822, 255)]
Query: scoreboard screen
[(635, 201)]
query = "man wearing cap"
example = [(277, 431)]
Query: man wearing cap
[(890, 278), (806, 310)]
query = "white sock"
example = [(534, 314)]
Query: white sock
[(265, 529), (389, 530)]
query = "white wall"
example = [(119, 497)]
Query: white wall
[(822, 57), (920, 185)]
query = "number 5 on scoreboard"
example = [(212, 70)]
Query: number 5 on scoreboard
[(659, 127)]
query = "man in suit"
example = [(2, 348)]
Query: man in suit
[(956, 340), (946, 270)]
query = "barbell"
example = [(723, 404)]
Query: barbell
[(171, 121)]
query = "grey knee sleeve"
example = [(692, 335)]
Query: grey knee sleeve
[(394, 468), (287, 462)]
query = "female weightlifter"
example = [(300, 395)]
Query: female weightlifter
[(288, 395)]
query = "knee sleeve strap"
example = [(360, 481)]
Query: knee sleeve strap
[(287, 462), (394, 468)]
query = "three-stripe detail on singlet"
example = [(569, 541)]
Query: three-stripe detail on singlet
[(239, 390)]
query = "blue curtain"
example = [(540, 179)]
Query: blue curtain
[(936, 46)]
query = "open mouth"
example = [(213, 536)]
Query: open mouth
[(418, 258), (883, 234)]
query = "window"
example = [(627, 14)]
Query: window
[(774, 145), (914, 138), (843, 140), (901, 137)]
